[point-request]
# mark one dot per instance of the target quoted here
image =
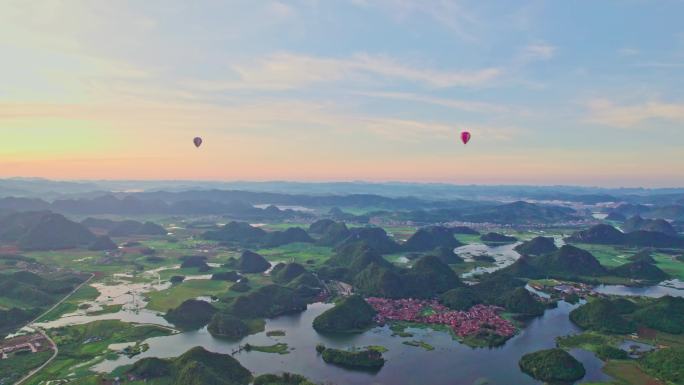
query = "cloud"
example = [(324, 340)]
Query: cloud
[(448, 13), (538, 51), (280, 10), (606, 112), (628, 51), (289, 71), (465, 105)]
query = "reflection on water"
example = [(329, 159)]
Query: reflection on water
[(673, 288), (449, 364), (504, 255)]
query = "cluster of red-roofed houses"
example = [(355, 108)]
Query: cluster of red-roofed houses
[(463, 323)]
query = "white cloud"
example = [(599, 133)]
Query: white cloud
[(465, 105), (538, 51), (289, 71), (607, 112), (628, 51), (449, 13)]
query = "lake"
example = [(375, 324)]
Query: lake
[(450, 363)]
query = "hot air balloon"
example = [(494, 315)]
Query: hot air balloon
[(197, 141), (465, 137)]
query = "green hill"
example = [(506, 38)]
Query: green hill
[(429, 238), (353, 359), (380, 281), (608, 235), (267, 302), (197, 366), (102, 243), (291, 235), (537, 246), (251, 262), (522, 302), (350, 315), (428, 277), (446, 255), (599, 234), (570, 260), (461, 298), (283, 379), (552, 365), (375, 237), (320, 226), (283, 273), (43, 231), (494, 238), (641, 270), (191, 314), (354, 257), (240, 233), (605, 315), (333, 234), (665, 314), (224, 325), (666, 364), (637, 223)]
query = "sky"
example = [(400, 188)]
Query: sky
[(553, 92)]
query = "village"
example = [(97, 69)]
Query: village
[(25, 344), (463, 323)]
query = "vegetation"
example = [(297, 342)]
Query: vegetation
[(191, 314), (522, 302), (268, 301), (605, 315), (43, 230), (195, 367), (284, 273), (350, 315), (494, 238), (642, 270), (223, 325), (622, 316), (419, 344), (461, 298), (16, 366), (86, 343), (251, 262), (537, 246), (279, 348), (429, 238), (352, 359), (667, 364), (283, 379), (553, 365)]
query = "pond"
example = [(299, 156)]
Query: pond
[(674, 288), (450, 363), (503, 255)]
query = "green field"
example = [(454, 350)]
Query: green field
[(298, 252), (85, 293), (172, 297), (613, 256), (87, 343), (18, 365)]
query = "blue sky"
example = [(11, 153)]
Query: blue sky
[(553, 92)]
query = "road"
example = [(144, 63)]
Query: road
[(47, 337)]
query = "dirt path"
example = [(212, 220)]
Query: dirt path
[(55, 349)]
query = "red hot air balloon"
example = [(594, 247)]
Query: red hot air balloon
[(465, 137), (197, 141)]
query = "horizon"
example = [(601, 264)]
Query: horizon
[(347, 90), (324, 182)]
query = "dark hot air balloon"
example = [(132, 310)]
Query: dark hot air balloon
[(465, 137), (197, 141)]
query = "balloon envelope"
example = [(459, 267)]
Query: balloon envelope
[(197, 141), (465, 137)]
